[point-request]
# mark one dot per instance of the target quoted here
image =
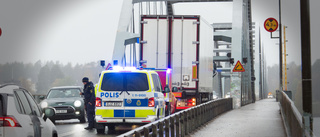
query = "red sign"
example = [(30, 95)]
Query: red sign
[(271, 24)]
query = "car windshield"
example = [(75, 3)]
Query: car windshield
[(125, 82), (64, 93)]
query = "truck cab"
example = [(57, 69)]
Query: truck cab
[(128, 96)]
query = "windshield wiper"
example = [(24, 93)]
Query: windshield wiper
[(125, 91)]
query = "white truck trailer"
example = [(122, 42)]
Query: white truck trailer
[(183, 44)]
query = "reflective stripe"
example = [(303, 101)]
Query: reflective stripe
[(130, 113), (155, 94), (96, 89), (144, 113), (120, 113), (161, 111), (105, 112), (109, 113), (177, 94)]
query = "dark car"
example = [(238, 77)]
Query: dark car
[(67, 103)]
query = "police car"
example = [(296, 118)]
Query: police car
[(128, 96)]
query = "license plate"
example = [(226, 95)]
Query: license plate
[(112, 104), (61, 111)]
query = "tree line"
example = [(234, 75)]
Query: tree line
[(39, 77), (295, 82)]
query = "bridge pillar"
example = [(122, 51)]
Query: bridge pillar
[(241, 89)]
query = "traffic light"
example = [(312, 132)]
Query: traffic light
[(244, 60), (231, 61), (115, 62), (102, 63), (229, 55)]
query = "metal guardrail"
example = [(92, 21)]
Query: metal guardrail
[(290, 115), (184, 122)]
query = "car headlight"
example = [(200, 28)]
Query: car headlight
[(44, 104), (77, 103)]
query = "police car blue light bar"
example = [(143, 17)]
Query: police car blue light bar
[(119, 68)]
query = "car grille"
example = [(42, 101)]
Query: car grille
[(60, 102)]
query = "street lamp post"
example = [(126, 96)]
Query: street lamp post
[(280, 48)]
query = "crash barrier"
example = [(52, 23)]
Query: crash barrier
[(184, 122), (291, 116)]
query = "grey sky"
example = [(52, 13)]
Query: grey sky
[(66, 31)]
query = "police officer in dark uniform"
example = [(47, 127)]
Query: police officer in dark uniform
[(89, 100)]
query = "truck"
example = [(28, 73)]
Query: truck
[(173, 42)]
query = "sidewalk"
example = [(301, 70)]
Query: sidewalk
[(260, 119)]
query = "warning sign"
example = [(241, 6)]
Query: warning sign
[(271, 24), (238, 67)]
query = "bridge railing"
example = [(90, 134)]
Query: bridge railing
[(290, 115), (184, 122)]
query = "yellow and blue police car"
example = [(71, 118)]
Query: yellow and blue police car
[(128, 96)]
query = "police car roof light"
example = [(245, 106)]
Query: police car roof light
[(118, 68), (130, 68)]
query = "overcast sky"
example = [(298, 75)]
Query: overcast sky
[(81, 31)]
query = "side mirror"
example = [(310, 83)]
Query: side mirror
[(166, 89), (174, 89), (48, 112)]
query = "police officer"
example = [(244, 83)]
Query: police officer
[(89, 100)]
